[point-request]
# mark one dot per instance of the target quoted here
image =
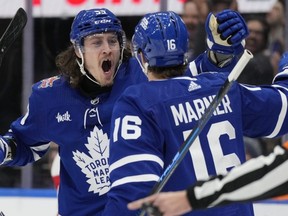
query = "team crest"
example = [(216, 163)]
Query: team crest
[(95, 165)]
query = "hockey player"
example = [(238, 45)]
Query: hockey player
[(151, 120), (74, 111), (252, 181)]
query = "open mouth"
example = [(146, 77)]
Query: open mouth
[(106, 65)]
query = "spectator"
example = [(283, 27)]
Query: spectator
[(276, 42), (192, 19), (200, 9), (203, 9), (216, 6), (276, 21), (259, 70)]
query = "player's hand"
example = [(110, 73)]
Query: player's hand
[(226, 32), (283, 63)]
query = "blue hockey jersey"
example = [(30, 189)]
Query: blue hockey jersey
[(152, 120), (203, 64), (80, 125)]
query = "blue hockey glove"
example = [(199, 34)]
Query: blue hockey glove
[(283, 63), (226, 32)]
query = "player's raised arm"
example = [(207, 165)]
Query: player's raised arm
[(226, 33)]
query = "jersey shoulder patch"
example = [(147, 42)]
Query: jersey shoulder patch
[(46, 83)]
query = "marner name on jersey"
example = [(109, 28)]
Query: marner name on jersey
[(193, 110)]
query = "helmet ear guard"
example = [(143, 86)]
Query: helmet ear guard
[(162, 37)]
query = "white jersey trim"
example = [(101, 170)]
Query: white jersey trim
[(34, 150), (135, 178), (193, 68), (135, 158), (281, 116)]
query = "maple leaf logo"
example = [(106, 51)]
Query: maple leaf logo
[(95, 165)]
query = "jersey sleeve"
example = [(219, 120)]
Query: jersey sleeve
[(28, 132), (135, 160), (255, 100), (203, 64), (254, 180)]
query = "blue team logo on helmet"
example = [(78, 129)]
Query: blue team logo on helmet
[(88, 22), (163, 39)]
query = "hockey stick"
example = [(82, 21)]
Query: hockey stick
[(13, 30), (184, 148)]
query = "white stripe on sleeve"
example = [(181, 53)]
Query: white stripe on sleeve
[(137, 178), (281, 117), (135, 158)]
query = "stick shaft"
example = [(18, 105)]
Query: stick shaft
[(13, 30)]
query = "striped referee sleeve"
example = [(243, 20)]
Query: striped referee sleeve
[(257, 179)]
